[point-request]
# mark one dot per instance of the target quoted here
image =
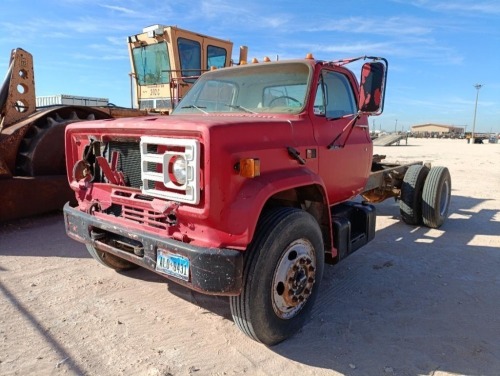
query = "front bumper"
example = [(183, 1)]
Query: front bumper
[(213, 271)]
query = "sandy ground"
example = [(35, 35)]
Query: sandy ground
[(414, 301)]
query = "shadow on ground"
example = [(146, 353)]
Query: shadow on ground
[(412, 302)]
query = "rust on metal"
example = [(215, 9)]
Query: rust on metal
[(28, 196), (385, 180), (10, 139), (18, 90), (32, 158)]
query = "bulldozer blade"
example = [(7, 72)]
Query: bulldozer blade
[(28, 196)]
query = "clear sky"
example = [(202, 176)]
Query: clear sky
[(437, 50)]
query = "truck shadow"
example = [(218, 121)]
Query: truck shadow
[(413, 301), (36, 244)]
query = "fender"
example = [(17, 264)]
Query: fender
[(242, 215)]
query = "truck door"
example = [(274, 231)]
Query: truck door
[(344, 165)]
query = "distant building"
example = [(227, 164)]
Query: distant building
[(70, 100), (437, 130)]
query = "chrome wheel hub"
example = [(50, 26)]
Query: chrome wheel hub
[(293, 279)]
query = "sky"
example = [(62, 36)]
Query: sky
[(437, 50)]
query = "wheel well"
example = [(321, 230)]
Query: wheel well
[(310, 198)]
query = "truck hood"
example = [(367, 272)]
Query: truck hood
[(176, 124)]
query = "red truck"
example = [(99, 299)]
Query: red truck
[(248, 188)]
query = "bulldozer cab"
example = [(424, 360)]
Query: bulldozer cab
[(166, 61)]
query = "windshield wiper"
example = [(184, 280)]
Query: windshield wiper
[(194, 106), (238, 107)]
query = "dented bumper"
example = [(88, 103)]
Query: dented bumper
[(213, 271)]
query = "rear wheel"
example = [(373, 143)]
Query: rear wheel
[(110, 260), (410, 204), (283, 268), (436, 197)]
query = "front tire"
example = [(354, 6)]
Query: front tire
[(283, 267)]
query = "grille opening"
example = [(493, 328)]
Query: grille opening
[(146, 104), (123, 194), (129, 161), (144, 198), (114, 209), (146, 217), (164, 103), (142, 163)]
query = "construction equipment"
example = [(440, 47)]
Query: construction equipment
[(32, 163), (167, 60)]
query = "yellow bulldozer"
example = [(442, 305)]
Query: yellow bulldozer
[(165, 61)]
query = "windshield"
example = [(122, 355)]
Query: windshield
[(152, 64), (259, 88)]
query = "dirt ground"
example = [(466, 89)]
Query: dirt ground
[(414, 301)]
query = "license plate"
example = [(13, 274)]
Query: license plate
[(172, 264)]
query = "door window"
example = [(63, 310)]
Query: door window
[(190, 56), (216, 57), (334, 96)]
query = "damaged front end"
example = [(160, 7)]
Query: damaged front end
[(135, 198)]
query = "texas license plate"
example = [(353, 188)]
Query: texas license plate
[(172, 264)]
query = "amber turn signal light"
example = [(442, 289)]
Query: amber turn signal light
[(249, 167)]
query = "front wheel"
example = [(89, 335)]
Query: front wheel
[(283, 268)]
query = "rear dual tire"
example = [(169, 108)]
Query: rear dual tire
[(410, 204), (425, 196), (436, 197)]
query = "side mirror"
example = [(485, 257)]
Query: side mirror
[(372, 87)]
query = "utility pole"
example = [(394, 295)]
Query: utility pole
[(477, 86), (396, 126)]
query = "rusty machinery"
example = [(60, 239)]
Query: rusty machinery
[(165, 60), (32, 164)]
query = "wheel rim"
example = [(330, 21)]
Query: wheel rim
[(293, 279), (445, 195)]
